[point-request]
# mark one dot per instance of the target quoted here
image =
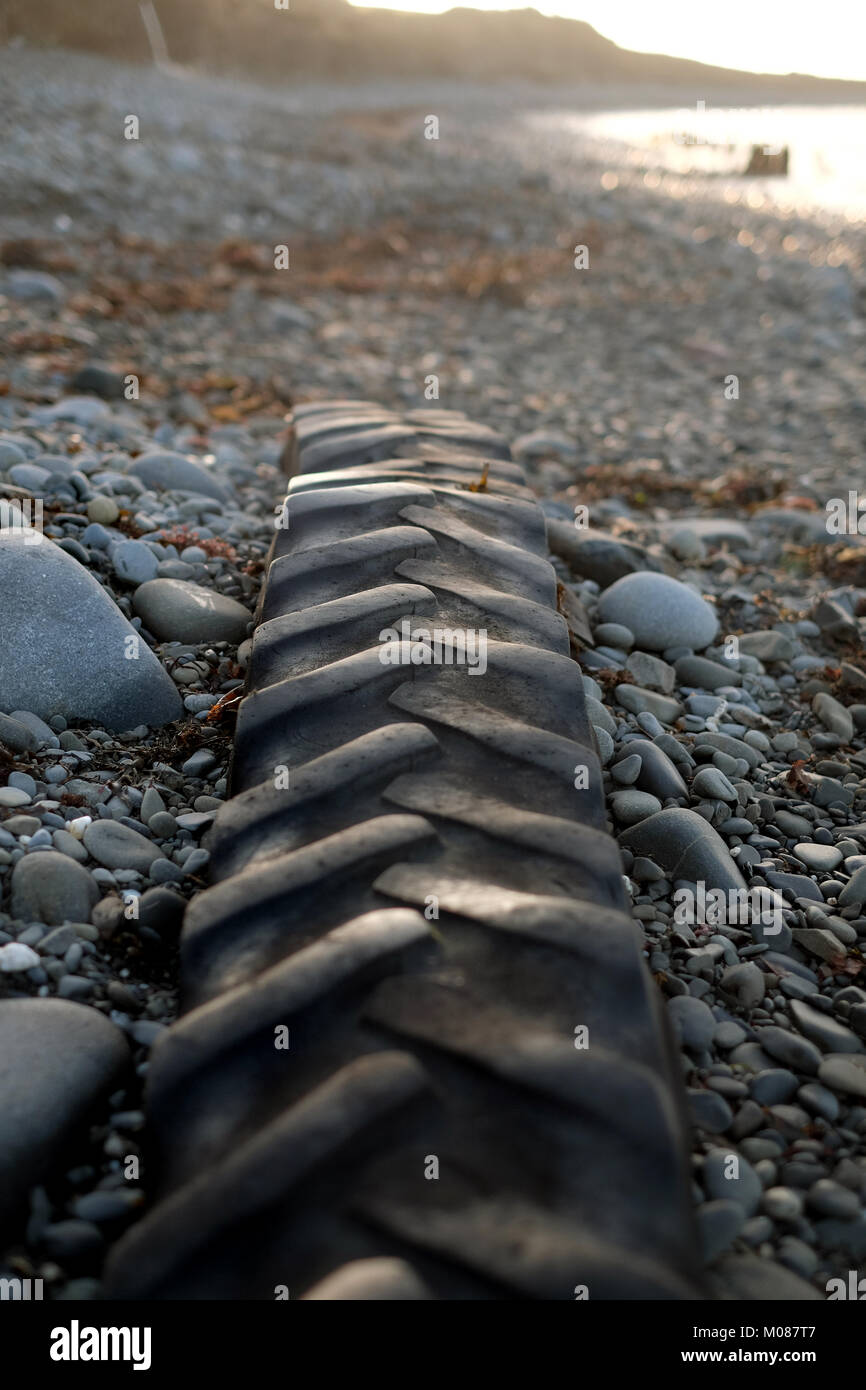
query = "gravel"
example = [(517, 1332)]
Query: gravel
[(711, 587)]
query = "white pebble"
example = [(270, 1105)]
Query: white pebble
[(16, 956)]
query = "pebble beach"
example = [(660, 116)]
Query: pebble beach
[(682, 375)]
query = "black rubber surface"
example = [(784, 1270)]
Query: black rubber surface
[(417, 1043)]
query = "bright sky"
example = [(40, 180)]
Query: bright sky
[(827, 39)]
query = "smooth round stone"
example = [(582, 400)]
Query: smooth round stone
[(116, 846), (164, 871), (685, 544), (605, 745), (711, 783), (854, 892), (845, 1074), (685, 846), (15, 957), (56, 1060), (660, 612), (631, 806), (626, 772), (790, 1049), (161, 910), (614, 635), (744, 1188), (830, 1198), (818, 857), (640, 701), (162, 470), (658, 774), (833, 716), (709, 1110), (820, 1101), (719, 1224), (766, 645), (24, 782), (65, 647), (728, 1035), (50, 887), (599, 717), (774, 1086), (782, 1203), (14, 796), (693, 1021), (10, 454), (823, 1029), (103, 510), (163, 824), (133, 562), (175, 610)]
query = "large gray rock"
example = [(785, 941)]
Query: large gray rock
[(165, 471), (686, 846), (50, 887), (56, 1060), (660, 611), (64, 644), (175, 610)]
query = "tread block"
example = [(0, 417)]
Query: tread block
[(317, 636), (305, 578), (322, 796)]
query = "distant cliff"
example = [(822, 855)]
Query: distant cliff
[(332, 39)]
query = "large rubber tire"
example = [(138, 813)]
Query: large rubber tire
[(417, 1044)]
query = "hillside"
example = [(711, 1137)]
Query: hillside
[(332, 39)]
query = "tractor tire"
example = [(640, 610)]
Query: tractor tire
[(420, 1055)]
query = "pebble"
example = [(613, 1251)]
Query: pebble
[(16, 957), (640, 701), (793, 1051), (820, 858), (14, 796), (845, 1074), (693, 1022), (162, 470), (719, 1224), (782, 1204), (176, 610), (710, 782), (626, 772), (829, 1034), (118, 847), (40, 1101), (661, 612), (133, 562), (773, 1086), (730, 1176), (65, 646), (52, 888), (685, 846), (199, 763), (831, 1199), (709, 1110), (632, 806), (766, 645), (103, 510), (833, 716)]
